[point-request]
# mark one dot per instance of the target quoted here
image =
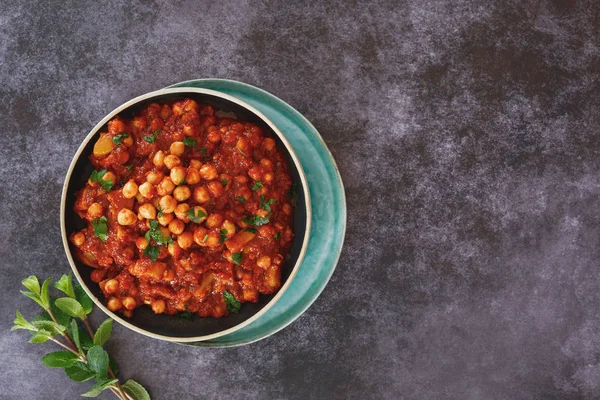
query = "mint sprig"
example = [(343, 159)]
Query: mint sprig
[(83, 356)]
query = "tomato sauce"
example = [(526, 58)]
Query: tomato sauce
[(186, 211)]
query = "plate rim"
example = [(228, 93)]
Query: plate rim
[(343, 214)]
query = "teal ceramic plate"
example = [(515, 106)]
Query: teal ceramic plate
[(328, 211)]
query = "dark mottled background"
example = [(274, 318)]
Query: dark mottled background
[(467, 135)]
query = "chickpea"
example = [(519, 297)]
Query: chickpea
[(214, 137), (241, 179), (182, 193), (263, 262), (97, 275), (145, 189), (126, 217), (176, 227), (178, 175), (111, 286), (214, 220), (165, 186), (195, 164), (78, 239), (266, 164), (213, 240), (129, 303), (147, 211), (140, 198), (141, 243), (165, 218), (185, 240), (154, 177), (165, 231), (178, 108), (109, 176), (215, 188), (243, 147), (94, 211), (174, 250), (139, 122), (177, 148), (167, 204), (192, 176), (127, 313), (158, 306), (199, 235), (278, 259), (255, 173), (189, 130), (268, 177), (169, 274), (229, 227), (208, 172), (130, 189), (181, 210), (159, 159), (172, 161), (114, 304), (201, 194), (269, 144)]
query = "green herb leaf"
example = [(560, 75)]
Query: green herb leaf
[(241, 199), (152, 139), (70, 307), (103, 332), (187, 314), (266, 205), (74, 333), (203, 151), (233, 305), (117, 138), (100, 227), (45, 294), (156, 234), (32, 284), (251, 230), (256, 220), (21, 323), (112, 364), (130, 167), (96, 176), (99, 388), (205, 238), (33, 297), (40, 337), (65, 285), (257, 185), (86, 340), (224, 182), (79, 372), (60, 359), (135, 390), (152, 252), (223, 233), (237, 258), (292, 193), (49, 326), (277, 235), (97, 360), (195, 216), (190, 142), (83, 299)]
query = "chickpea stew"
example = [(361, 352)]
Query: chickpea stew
[(186, 211)]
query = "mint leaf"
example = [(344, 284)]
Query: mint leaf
[(65, 285), (100, 227), (151, 252), (40, 337), (130, 167), (32, 284), (49, 326), (241, 199), (266, 205), (277, 235), (103, 332), (224, 182), (96, 176), (70, 307), (79, 372), (33, 297), (152, 139), (21, 323), (156, 234), (236, 258), (97, 360), (233, 305), (74, 333), (135, 390), (99, 388), (85, 339), (256, 220), (82, 297), (187, 314), (117, 138), (257, 185), (44, 293), (203, 151), (60, 359), (223, 234), (195, 216), (190, 142)]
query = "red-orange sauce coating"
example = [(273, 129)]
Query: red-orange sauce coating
[(214, 192)]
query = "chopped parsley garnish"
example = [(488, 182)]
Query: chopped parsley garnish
[(224, 182), (241, 151), (266, 205), (292, 193), (203, 151), (241, 199), (195, 216), (236, 258), (160, 212), (156, 234), (223, 233), (187, 314), (100, 226), (129, 167), (152, 252), (190, 142), (152, 139), (233, 305), (251, 230), (256, 220), (96, 176), (257, 185), (204, 238), (277, 236), (117, 138)]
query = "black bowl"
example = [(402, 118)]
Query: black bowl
[(174, 328)]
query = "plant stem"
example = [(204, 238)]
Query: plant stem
[(49, 311), (61, 344)]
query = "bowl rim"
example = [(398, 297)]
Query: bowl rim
[(303, 181)]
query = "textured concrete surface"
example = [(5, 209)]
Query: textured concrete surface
[(467, 134)]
